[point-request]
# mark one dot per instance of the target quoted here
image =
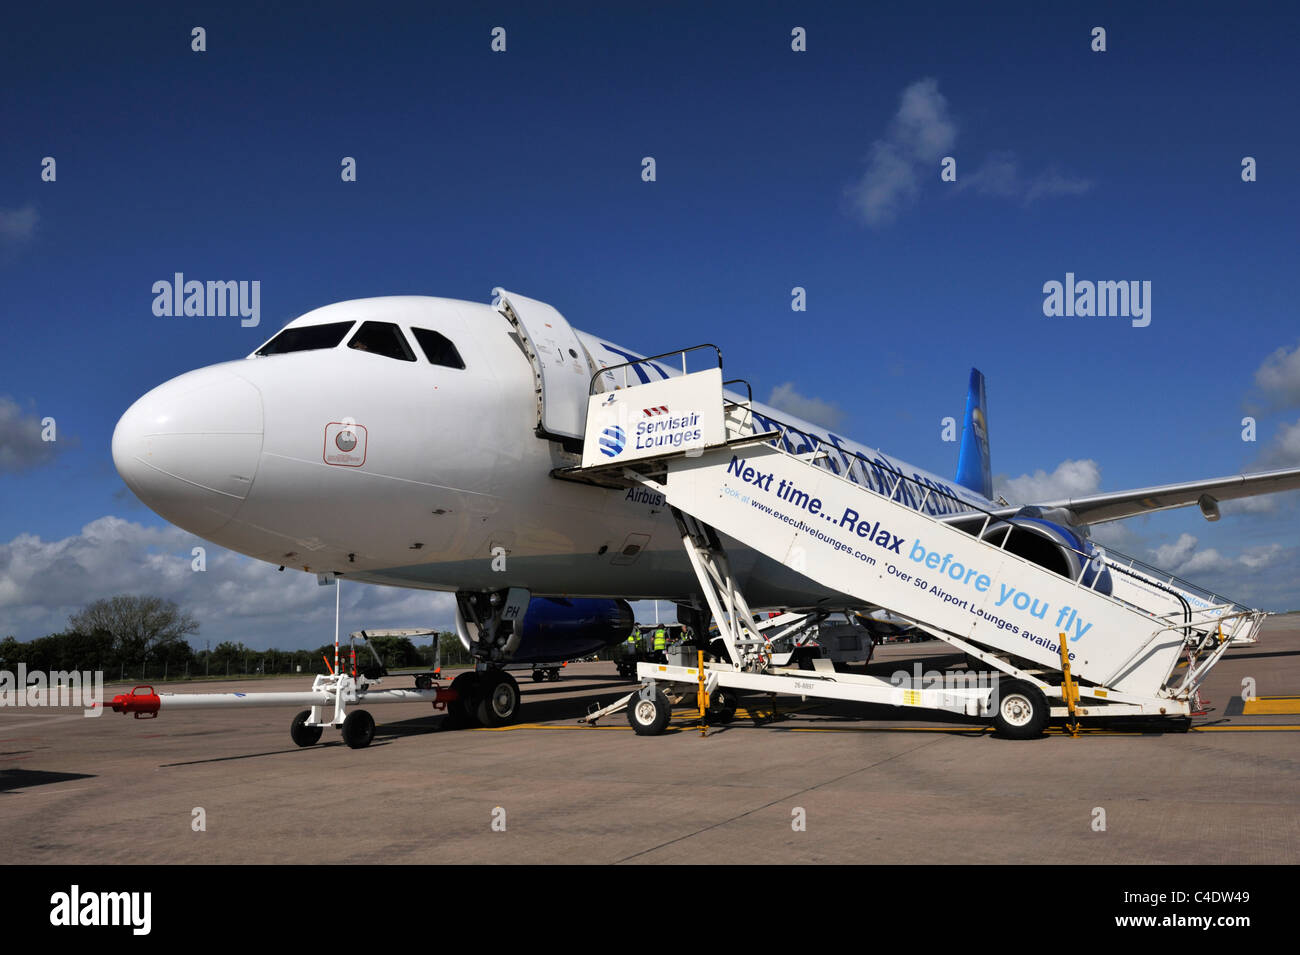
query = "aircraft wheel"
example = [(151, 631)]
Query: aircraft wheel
[(358, 729), (301, 733), (649, 717), (497, 701), (722, 706), (461, 712), (1021, 710)]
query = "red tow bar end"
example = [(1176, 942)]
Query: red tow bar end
[(145, 706)]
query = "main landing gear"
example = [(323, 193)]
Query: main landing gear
[(484, 698), (490, 626)]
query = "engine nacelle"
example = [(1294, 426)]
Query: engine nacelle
[(1047, 539), (564, 628)]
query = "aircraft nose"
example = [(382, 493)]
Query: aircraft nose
[(189, 449)]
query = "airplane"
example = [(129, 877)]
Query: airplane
[(416, 441)]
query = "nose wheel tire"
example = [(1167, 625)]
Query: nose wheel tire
[(649, 717), (497, 699), (358, 729), (1021, 710), (303, 734)]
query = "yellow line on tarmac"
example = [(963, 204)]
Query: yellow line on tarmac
[(953, 728), (1084, 731), (1258, 728), (544, 726), (1272, 706)]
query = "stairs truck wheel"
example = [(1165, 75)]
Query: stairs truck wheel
[(358, 729), (1021, 710), (497, 699), (722, 706), (301, 733), (649, 717)]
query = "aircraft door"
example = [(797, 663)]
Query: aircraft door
[(562, 369)]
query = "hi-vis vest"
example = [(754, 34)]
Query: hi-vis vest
[(661, 639)]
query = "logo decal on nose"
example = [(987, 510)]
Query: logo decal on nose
[(345, 444)]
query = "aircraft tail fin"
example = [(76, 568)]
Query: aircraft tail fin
[(973, 469)]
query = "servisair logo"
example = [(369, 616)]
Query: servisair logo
[(612, 441)]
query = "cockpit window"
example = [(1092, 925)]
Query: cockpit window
[(438, 348), (306, 338), (382, 338)]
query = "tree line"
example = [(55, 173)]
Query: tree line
[(144, 637)]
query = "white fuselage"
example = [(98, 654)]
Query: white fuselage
[(419, 475)]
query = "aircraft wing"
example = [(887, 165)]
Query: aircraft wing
[(1116, 505), (1112, 506)]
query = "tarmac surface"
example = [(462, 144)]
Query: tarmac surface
[(828, 783)]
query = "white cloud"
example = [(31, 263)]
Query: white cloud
[(21, 447), (921, 132), (1118, 535), (237, 598), (1235, 576), (17, 225), (1069, 479), (1172, 556), (922, 125), (1001, 177), (1278, 379), (825, 413), (1265, 575), (1050, 184), (1284, 450), (1263, 504)]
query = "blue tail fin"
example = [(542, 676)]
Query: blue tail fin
[(973, 469)]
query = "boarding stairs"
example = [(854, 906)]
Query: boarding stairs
[(816, 509)]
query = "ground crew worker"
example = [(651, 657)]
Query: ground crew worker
[(661, 640)]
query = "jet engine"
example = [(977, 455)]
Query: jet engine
[(565, 628), (1049, 539)]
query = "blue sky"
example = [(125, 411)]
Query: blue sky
[(523, 169)]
